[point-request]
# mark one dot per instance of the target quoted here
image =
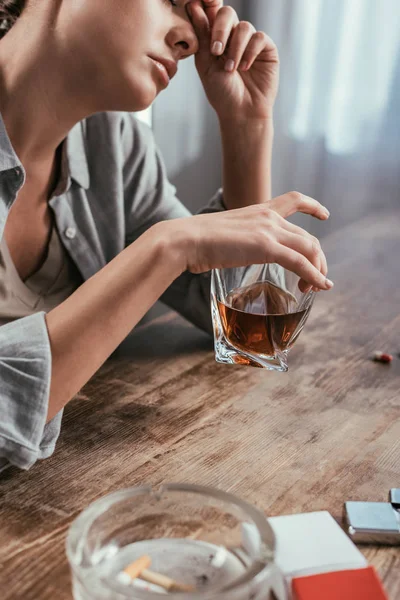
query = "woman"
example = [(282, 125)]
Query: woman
[(91, 231)]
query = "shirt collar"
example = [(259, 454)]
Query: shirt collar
[(8, 158), (75, 154)]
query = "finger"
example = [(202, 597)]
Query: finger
[(310, 247), (211, 8), (238, 43), (305, 246), (323, 266), (200, 23), (293, 202), (225, 21), (299, 264), (260, 43), (302, 232)]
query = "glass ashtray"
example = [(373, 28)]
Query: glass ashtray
[(188, 542)]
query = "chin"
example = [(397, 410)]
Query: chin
[(131, 97), (146, 93), (144, 103), (136, 97), (131, 101)]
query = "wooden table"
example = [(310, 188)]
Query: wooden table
[(326, 432)]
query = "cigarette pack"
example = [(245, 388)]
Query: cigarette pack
[(311, 543), (352, 584)]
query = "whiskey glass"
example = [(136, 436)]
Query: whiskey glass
[(258, 312)]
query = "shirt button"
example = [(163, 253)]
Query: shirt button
[(70, 233)]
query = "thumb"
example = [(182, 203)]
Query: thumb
[(292, 202)]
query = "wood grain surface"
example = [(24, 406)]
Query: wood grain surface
[(162, 409)]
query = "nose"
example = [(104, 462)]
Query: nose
[(182, 39)]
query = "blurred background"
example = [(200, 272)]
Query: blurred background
[(337, 115)]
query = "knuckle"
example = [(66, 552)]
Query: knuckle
[(227, 10), (316, 241), (259, 36), (296, 197), (269, 233), (301, 262), (268, 214), (314, 251), (315, 245), (267, 225), (245, 25)]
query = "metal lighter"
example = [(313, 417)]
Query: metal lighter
[(374, 522)]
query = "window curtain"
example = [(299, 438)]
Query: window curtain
[(337, 116)]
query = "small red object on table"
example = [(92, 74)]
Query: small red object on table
[(382, 357), (354, 584)]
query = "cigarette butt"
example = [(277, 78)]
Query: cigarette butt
[(135, 569), (219, 558), (123, 578), (150, 587), (165, 582)]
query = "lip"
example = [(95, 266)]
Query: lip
[(166, 67)]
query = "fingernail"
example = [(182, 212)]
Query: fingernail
[(329, 284), (328, 214), (217, 48), (229, 65), (243, 65)]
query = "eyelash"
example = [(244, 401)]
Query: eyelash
[(174, 3)]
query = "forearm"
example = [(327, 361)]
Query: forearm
[(86, 328), (247, 157)]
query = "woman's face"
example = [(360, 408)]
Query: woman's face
[(124, 42)]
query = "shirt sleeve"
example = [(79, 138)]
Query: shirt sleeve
[(25, 374), (150, 198)]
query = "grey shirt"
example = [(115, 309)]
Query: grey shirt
[(55, 280), (116, 188)]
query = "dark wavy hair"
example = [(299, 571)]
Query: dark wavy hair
[(10, 10)]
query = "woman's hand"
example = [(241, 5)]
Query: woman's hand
[(238, 66), (256, 234)]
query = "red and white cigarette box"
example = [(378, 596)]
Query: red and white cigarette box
[(320, 562)]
